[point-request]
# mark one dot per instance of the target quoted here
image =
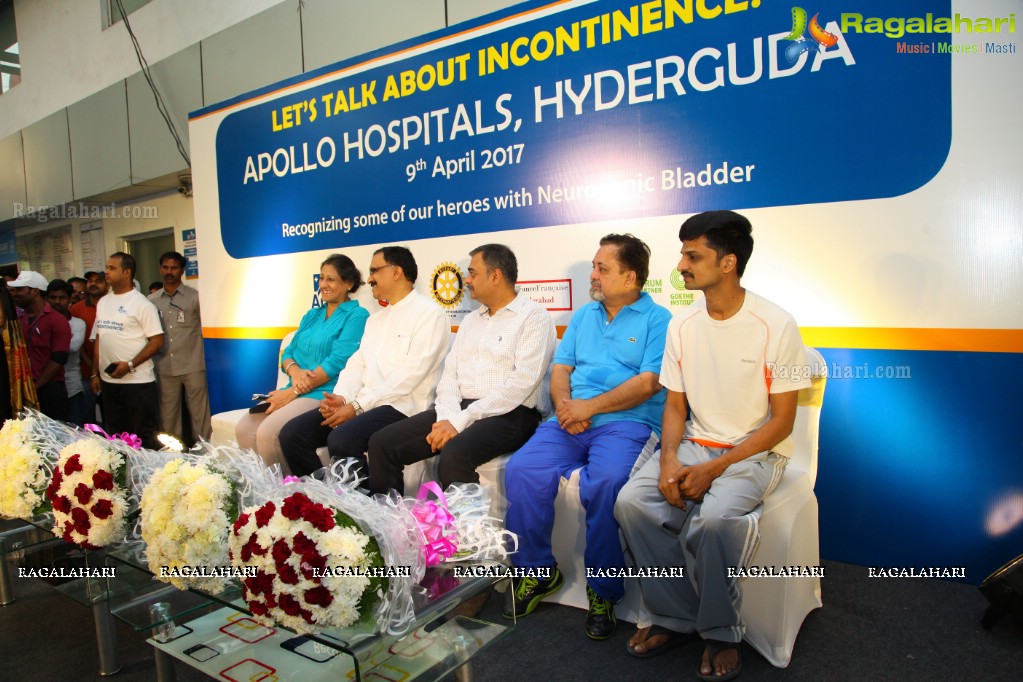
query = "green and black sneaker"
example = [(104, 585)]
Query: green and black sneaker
[(600, 618), (528, 592)]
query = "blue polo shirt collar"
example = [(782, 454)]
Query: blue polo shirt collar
[(641, 305)]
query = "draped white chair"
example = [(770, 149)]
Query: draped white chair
[(224, 423)]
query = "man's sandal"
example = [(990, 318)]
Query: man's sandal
[(715, 647), (674, 641)]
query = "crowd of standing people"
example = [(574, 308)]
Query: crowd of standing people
[(95, 350)]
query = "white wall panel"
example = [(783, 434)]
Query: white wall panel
[(12, 175), (48, 161), (67, 55), (463, 10), (333, 30), (254, 53), (99, 142), (179, 80)]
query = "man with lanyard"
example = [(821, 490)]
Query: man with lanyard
[(182, 363), (126, 336), (48, 337)]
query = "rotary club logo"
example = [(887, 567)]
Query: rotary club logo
[(448, 284)]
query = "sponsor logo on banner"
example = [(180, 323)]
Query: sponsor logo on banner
[(679, 285), (448, 285), (316, 291), (653, 286), (553, 294)]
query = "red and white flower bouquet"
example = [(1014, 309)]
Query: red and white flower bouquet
[(89, 494), (314, 567)]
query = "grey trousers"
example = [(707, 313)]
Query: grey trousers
[(198, 404), (707, 538)]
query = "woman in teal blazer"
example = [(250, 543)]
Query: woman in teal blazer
[(325, 339)]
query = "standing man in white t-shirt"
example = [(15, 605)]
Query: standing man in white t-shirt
[(127, 334), (690, 504)]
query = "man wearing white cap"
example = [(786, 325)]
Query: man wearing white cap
[(48, 337)]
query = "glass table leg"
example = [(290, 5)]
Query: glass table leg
[(106, 638), (464, 674), (164, 666), (6, 593)]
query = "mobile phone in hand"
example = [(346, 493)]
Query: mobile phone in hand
[(111, 368)]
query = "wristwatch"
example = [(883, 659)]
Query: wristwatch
[(131, 367), (357, 407)]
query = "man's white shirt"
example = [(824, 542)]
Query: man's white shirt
[(399, 359), (72, 372), (498, 360), (725, 368)]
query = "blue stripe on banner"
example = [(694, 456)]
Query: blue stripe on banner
[(237, 368), (912, 473)]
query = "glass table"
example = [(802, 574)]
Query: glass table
[(36, 552), (18, 538), (216, 634)]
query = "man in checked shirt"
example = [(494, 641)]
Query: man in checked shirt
[(491, 394)]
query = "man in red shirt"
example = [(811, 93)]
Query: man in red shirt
[(48, 337)]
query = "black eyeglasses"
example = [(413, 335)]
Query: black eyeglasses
[(373, 271)]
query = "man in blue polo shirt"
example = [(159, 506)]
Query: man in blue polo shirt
[(608, 402)]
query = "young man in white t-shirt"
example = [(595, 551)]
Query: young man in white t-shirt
[(692, 509), (127, 334)]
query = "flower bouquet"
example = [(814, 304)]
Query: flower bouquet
[(188, 503), (28, 452), (187, 511), (311, 566), (89, 494), (320, 554)]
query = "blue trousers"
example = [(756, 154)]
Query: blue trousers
[(606, 454)]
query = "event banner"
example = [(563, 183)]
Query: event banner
[(569, 112)]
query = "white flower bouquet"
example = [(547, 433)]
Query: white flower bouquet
[(28, 452), (187, 512)]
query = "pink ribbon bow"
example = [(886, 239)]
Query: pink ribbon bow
[(434, 519), (129, 439), (291, 479)]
